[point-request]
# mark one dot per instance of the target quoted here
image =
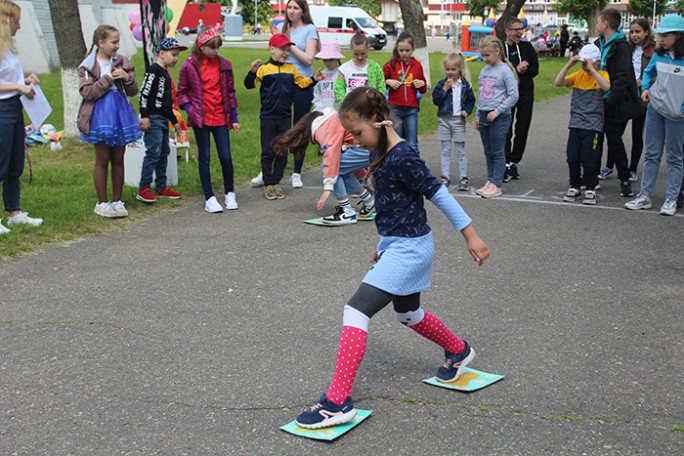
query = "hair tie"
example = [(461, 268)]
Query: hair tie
[(384, 123), (367, 92)]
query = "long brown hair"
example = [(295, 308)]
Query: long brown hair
[(101, 33), (677, 49), (367, 104), (403, 36), (649, 41), (298, 137), (306, 19)]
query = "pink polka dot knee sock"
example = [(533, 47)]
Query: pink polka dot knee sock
[(434, 329), (350, 353)]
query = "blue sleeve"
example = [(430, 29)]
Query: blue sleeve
[(469, 99), (451, 209), (649, 74), (438, 94)]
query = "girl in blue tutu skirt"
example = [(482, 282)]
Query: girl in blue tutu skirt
[(105, 117)]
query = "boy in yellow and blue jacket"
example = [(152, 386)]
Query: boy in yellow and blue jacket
[(278, 80)]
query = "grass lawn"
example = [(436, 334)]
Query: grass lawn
[(62, 191)]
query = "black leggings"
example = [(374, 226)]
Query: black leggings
[(370, 300)]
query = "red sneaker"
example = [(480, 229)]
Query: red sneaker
[(145, 195), (168, 192)]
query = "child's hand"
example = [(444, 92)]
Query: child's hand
[(319, 76), (418, 83), (646, 96), (320, 204), (464, 114), (477, 123), (574, 58), (235, 127), (375, 257), (447, 84), (255, 65), (393, 83), (119, 73), (478, 249), (491, 116), (32, 79), (145, 123)]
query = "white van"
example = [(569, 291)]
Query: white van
[(340, 23)]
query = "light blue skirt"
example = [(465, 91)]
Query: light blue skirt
[(404, 266)]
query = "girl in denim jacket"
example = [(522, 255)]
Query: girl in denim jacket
[(455, 98)]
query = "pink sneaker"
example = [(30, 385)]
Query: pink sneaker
[(483, 189), (492, 192)]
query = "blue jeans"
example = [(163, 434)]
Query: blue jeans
[(493, 137), (351, 161), (406, 124), (662, 132), (11, 151), (156, 153), (222, 140)]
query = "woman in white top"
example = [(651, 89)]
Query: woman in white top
[(12, 86)]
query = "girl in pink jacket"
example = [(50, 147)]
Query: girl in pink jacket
[(342, 162)]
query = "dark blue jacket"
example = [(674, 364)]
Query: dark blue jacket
[(445, 101)]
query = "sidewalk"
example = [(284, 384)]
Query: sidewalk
[(199, 334)]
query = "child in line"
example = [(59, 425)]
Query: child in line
[(498, 93), (402, 261), (663, 89), (455, 100), (278, 81), (360, 71), (405, 79), (642, 44), (324, 91), (13, 85), (621, 102), (206, 91), (586, 120), (156, 111), (105, 116), (342, 158)]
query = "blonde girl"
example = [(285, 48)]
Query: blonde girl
[(455, 100), (498, 93), (402, 261), (105, 117), (405, 79), (13, 85)]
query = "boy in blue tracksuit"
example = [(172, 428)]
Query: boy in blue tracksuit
[(278, 80)]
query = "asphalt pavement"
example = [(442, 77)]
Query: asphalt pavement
[(197, 334)]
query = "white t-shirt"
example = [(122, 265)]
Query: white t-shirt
[(636, 60), (354, 76), (106, 70), (456, 94), (10, 73)]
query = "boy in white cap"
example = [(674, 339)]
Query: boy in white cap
[(586, 121)]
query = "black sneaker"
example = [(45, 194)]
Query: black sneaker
[(626, 189), (367, 211), (455, 364), (513, 171), (507, 173), (341, 217)]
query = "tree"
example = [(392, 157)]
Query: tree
[(264, 12), (644, 8), (586, 9), (679, 5), (412, 14), (477, 7), (512, 9), (370, 6), (66, 23)]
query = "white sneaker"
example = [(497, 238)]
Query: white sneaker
[(105, 210), (3, 230), (296, 180), (258, 181), (231, 202), (119, 209), (212, 205), (23, 219), (669, 207)]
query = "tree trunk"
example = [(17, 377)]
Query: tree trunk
[(592, 20), (412, 13), (513, 8), (66, 23)]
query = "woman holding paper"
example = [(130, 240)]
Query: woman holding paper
[(12, 86)]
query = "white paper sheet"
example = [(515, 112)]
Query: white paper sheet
[(37, 109)]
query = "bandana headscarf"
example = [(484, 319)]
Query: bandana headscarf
[(208, 35)]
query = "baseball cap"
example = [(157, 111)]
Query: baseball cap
[(590, 51), (279, 40), (169, 44), (670, 23)]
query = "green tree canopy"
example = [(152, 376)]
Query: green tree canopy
[(264, 12), (644, 8), (370, 6), (583, 9), (476, 7)]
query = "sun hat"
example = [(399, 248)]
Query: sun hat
[(670, 23), (590, 51), (279, 40), (169, 44), (330, 49)]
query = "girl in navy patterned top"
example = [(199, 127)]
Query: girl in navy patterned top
[(401, 263)]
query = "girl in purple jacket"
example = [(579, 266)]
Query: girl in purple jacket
[(207, 93)]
